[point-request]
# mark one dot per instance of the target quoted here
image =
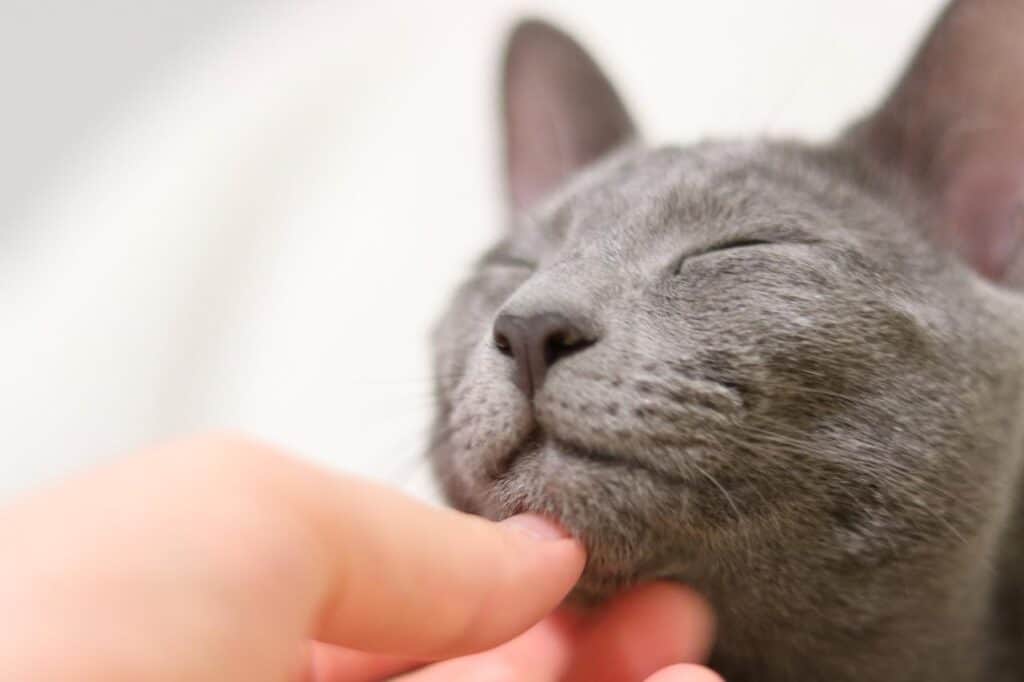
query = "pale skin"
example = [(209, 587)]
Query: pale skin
[(221, 559)]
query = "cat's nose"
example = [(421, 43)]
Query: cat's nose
[(536, 342)]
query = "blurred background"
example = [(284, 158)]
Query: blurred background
[(245, 214)]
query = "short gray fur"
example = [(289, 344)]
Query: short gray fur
[(805, 397)]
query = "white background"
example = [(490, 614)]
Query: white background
[(246, 215)]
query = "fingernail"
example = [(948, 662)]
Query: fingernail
[(536, 527)]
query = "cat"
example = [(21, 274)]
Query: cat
[(789, 375)]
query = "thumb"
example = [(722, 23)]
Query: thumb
[(420, 581), (398, 576)]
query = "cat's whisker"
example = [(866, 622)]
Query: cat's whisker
[(796, 446), (725, 493)]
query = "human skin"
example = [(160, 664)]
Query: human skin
[(219, 558)]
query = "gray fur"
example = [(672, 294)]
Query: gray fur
[(823, 433)]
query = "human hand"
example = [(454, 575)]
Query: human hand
[(634, 636), (220, 559)]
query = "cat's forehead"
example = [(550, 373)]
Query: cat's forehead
[(642, 195), (668, 174)]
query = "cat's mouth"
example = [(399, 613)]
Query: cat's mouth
[(601, 498), (542, 444)]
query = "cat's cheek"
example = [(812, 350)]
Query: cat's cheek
[(490, 418)]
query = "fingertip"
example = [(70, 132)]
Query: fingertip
[(546, 535), (685, 672), (536, 527), (543, 558), (535, 570), (541, 653), (678, 612), (644, 630), (329, 663)]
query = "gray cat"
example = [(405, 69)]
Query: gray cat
[(786, 374)]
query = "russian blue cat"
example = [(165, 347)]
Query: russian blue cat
[(789, 375)]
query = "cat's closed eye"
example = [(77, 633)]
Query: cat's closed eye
[(735, 244), (730, 245)]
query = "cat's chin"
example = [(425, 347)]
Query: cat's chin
[(614, 505)]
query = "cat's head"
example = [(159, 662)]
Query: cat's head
[(701, 359)]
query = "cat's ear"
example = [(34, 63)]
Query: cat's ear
[(560, 111), (955, 125)]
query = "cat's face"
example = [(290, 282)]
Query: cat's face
[(767, 353), (769, 358)]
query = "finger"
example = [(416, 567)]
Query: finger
[(233, 555), (397, 576), (406, 578), (643, 631), (329, 663), (548, 644), (541, 654), (686, 672)]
